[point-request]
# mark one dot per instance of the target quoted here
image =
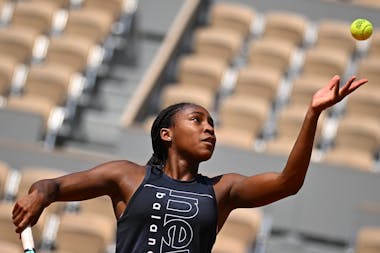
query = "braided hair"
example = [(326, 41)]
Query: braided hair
[(163, 120)]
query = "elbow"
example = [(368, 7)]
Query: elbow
[(291, 187)]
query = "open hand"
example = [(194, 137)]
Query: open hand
[(332, 93)]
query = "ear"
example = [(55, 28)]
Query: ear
[(165, 134)]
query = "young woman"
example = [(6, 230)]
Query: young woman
[(166, 205)]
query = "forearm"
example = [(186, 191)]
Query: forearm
[(299, 159)]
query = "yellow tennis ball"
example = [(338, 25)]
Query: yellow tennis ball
[(361, 29)]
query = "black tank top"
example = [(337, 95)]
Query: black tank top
[(166, 215)]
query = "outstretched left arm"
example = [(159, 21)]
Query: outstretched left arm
[(269, 187)]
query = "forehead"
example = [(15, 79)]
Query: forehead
[(192, 109)]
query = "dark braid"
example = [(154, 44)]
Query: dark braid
[(163, 120)]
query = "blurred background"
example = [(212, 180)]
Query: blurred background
[(82, 80)]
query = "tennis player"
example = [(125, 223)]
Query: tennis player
[(166, 205)]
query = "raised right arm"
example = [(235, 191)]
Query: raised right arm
[(111, 178)]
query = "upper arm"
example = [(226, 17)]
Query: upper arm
[(104, 179), (257, 190)]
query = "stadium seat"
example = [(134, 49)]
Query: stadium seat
[(367, 240), (335, 34), (241, 119), (18, 42), (58, 3), (271, 53), (113, 8), (90, 24), (356, 142), (176, 93), (70, 51), (216, 42), (101, 205), (324, 62), (369, 68), (304, 87), (9, 247), (367, 3), (287, 26), (374, 47), (289, 123), (258, 82), (50, 81), (34, 16), (4, 171), (84, 233), (239, 232), (201, 71), (34, 105), (232, 16), (8, 67), (364, 103)]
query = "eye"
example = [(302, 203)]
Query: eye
[(195, 119)]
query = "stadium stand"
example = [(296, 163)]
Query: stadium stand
[(255, 63)]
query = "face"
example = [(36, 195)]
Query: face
[(193, 133)]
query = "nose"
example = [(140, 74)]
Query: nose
[(209, 129)]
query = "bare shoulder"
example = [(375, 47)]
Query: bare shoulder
[(120, 168), (223, 183)]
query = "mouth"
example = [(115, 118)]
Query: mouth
[(210, 140)]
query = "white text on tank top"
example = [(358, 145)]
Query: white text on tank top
[(172, 212)]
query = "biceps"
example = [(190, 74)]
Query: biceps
[(257, 190), (81, 186)]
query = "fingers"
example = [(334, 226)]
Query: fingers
[(334, 82), (352, 85)]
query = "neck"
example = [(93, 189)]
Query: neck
[(181, 169)]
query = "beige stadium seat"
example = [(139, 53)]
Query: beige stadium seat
[(34, 105), (58, 3), (324, 62), (18, 42), (70, 51), (270, 53), (34, 16), (176, 93), (216, 42), (51, 81), (90, 24), (370, 68), (84, 233), (364, 103), (232, 16), (9, 247), (239, 232), (287, 26), (113, 8), (356, 141), (101, 205), (335, 34), (374, 46), (8, 67), (367, 240), (241, 119), (201, 71), (289, 124), (367, 3), (7, 228), (258, 83), (304, 87), (4, 171)]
